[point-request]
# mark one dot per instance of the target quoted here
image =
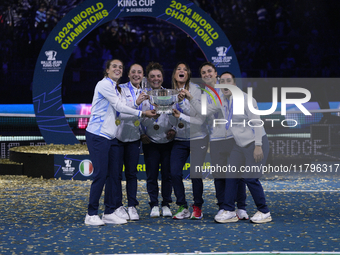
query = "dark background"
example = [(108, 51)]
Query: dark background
[(288, 38)]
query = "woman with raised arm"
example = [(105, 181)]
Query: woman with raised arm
[(105, 149), (221, 140), (192, 137), (250, 151)]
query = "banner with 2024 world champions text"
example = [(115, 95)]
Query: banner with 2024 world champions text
[(89, 15)]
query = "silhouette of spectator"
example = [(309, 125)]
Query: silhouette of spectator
[(172, 42), (40, 17), (114, 24), (154, 46), (90, 50), (262, 17), (52, 17), (9, 16), (144, 48), (11, 20), (163, 43), (126, 27)]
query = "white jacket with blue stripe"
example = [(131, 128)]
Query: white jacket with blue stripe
[(107, 103)]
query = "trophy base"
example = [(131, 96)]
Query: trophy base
[(164, 110)]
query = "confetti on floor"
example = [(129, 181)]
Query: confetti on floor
[(40, 216)]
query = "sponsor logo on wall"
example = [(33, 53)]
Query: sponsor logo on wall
[(68, 169), (222, 59), (51, 64), (136, 5)]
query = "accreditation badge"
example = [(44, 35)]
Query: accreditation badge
[(136, 123)]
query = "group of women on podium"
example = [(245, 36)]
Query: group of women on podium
[(122, 118)]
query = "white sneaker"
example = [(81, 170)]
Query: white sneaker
[(226, 216), (260, 217), (93, 220), (154, 212), (132, 211), (122, 213), (242, 214), (112, 218), (219, 212), (166, 212)]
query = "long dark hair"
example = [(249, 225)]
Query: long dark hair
[(107, 66), (173, 80)]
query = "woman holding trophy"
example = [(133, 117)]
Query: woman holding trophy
[(128, 132), (157, 139), (251, 149), (105, 149), (192, 136)]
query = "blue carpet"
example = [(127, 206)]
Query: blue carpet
[(46, 216)]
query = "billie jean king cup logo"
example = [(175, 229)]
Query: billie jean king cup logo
[(238, 103), (51, 54), (68, 162), (222, 51)]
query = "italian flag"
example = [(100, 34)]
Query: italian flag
[(86, 167)]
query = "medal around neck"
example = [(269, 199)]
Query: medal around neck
[(156, 127), (136, 123), (180, 125), (117, 122), (163, 99)]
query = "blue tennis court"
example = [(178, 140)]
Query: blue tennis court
[(47, 216)]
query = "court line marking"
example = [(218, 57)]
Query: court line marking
[(302, 190), (331, 156), (273, 190), (251, 252)]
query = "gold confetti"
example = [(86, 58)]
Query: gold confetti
[(61, 149)]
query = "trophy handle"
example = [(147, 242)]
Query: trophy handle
[(145, 85)]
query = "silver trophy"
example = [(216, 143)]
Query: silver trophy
[(163, 99)]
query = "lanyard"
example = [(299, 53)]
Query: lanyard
[(177, 105), (210, 101), (116, 92), (209, 98), (179, 108), (132, 92), (107, 78), (230, 114)]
